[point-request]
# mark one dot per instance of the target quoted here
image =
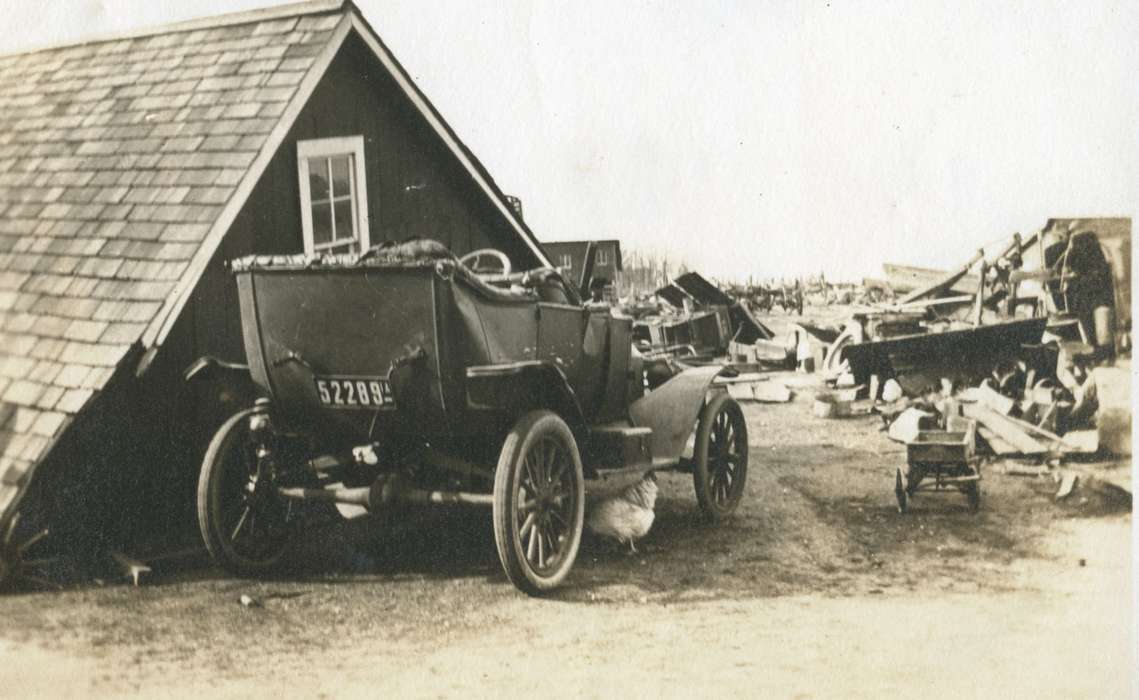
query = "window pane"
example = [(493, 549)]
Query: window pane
[(321, 223), (340, 177), (318, 178), (344, 223)]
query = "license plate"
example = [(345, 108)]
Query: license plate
[(354, 392)]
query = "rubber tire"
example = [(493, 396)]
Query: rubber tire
[(900, 491), (711, 510), (209, 483), (522, 436)]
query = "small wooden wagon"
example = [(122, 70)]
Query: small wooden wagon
[(939, 460)]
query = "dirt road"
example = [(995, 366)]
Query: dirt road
[(816, 588)]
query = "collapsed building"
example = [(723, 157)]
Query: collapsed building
[(1069, 281), (704, 320)]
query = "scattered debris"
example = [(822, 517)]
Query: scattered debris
[(248, 601), (891, 390), (755, 387), (1013, 469), (16, 570), (1113, 419), (829, 405), (704, 317), (1005, 429), (1067, 484), (908, 425), (132, 568)]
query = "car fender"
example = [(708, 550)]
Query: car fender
[(671, 410), (514, 387)]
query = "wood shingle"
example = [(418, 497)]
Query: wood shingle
[(126, 163), (115, 159)]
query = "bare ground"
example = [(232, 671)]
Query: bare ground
[(817, 587)]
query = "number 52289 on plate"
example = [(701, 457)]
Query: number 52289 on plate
[(354, 392)]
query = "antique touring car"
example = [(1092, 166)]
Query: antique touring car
[(389, 378)]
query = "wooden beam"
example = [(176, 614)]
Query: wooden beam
[(947, 281)]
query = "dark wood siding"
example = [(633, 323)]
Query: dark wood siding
[(415, 187)]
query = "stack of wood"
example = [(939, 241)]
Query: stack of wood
[(1023, 418)]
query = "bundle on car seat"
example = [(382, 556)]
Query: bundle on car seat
[(409, 250)]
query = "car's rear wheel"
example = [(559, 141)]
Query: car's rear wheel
[(720, 457), (539, 502), (243, 521)]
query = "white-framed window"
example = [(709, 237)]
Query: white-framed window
[(334, 195), (602, 257), (566, 262)]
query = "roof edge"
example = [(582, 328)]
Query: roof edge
[(260, 14), (466, 157), (157, 330), (351, 21)]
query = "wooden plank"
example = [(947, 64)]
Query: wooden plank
[(944, 282), (763, 391), (998, 445), (1007, 428), (995, 400)]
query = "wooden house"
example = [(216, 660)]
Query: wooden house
[(131, 170), (574, 258)]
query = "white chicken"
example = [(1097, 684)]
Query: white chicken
[(627, 516)]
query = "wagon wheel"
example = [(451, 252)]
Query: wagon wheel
[(900, 490), (243, 521), (539, 501), (720, 471)]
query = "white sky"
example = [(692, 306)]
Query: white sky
[(758, 138)]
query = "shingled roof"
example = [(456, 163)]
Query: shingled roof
[(122, 164)]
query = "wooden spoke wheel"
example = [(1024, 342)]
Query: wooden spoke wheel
[(539, 502), (243, 521), (720, 470)]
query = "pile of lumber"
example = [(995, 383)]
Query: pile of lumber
[(1032, 410)]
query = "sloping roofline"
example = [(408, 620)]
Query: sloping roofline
[(259, 14), (352, 21)]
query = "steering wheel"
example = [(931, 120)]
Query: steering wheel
[(487, 261)]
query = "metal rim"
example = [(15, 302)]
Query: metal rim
[(251, 519), (546, 503)]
